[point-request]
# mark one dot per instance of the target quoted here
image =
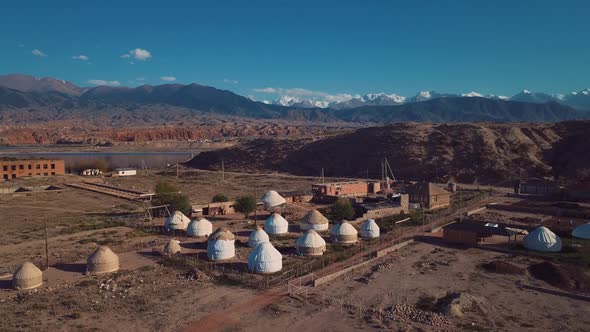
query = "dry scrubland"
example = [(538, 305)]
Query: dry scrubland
[(420, 287)]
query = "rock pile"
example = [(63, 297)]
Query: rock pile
[(405, 313)]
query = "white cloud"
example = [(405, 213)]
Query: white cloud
[(141, 79), (103, 82), (81, 57), (168, 78), (137, 54), (266, 90), (314, 95), (227, 80), (38, 52)]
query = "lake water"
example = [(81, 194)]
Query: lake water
[(138, 160)]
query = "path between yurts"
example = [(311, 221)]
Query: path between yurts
[(229, 317)]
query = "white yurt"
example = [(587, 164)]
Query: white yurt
[(310, 244), (103, 260), (172, 248), (542, 239), (265, 259), (344, 233), (314, 220), (177, 221), (276, 224), (200, 227), (27, 276), (369, 229), (272, 199), (221, 245), (582, 231), (257, 237)]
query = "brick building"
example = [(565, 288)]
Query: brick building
[(12, 169), (345, 189), (428, 195)]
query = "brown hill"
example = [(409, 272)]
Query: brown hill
[(484, 153)]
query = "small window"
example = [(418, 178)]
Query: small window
[(14, 176), (38, 174), (44, 166), (37, 166), (5, 176), (21, 166), (52, 166), (30, 174), (30, 166), (13, 167), (5, 168), (52, 173), (45, 174)]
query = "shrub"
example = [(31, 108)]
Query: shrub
[(168, 194), (219, 198), (245, 204), (342, 209)]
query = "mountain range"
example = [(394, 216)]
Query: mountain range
[(48, 98)]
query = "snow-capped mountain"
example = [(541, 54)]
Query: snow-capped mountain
[(371, 99), (300, 102), (577, 100)]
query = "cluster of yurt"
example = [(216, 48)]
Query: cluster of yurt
[(310, 244), (369, 229), (27, 276), (257, 237), (172, 248), (199, 227), (276, 225), (271, 199), (582, 231), (344, 233), (221, 245), (102, 260), (542, 239), (314, 220), (264, 259), (176, 221)]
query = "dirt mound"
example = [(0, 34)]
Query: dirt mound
[(565, 277), (502, 268), (457, 304)]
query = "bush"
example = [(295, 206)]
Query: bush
[(168, 194), (342, 209), (219, 198), (245, 204)]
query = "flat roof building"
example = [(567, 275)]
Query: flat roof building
[(12, 169), (345, 189)]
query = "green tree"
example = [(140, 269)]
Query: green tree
[(342, 209), (245, 204), (168, 194), (219, 198)]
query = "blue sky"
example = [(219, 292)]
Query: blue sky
[(321, 48)]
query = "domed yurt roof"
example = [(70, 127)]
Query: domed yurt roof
[(272, 199), (103, 260), (200, 227), (276, 224), (177, 221), (27, 276), (344, 233), (311, 244), (172, 248), (265, 259), (220, 245), (257, 237), (369, 229), (314, 220), (542, 239), (582, 231)]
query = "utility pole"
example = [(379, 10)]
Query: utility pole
[(222, 171), (322, 178), (177, 170), (46, 248)]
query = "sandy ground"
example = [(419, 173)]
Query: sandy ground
[(421, 270)]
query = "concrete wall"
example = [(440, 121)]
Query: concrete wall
[(11, 169)]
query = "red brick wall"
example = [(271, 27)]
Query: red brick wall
[(18, 168)]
